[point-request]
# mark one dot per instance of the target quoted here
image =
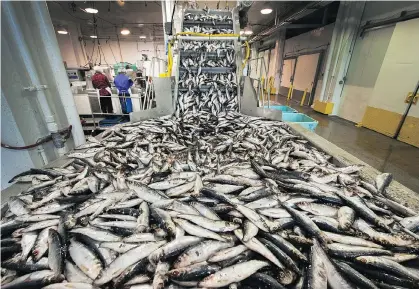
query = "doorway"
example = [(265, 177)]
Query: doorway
[(299, 77)]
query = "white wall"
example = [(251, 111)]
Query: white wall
[(72, 51), (287, 72), (131, 51), (399, 70), (368, 55), (315, 39), (67, 50), (306, 64), (363, 71), (305, 71), (76, 54)]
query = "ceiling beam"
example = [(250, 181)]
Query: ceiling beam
[(290, 26), (284, 21)]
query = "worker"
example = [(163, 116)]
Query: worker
[(101, 82), (130, 72), (123, 84)]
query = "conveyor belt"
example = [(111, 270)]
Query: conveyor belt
[(206, 78)]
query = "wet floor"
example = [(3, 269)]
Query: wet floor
[(381, 152)]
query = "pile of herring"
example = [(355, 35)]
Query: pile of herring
[(205, 201)]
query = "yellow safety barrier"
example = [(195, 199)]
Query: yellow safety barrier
[(323, 107), (271, 83), (304, 97), (290, 90), (247, 54)]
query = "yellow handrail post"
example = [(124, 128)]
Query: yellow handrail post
[(304, 97), (289, 92)]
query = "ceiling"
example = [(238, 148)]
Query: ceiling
[(282, 9), (258, 21), (145, 17), (322, 16), (140, 17)]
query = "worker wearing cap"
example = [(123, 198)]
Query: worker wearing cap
[(123, 84), (101, 82), (130, 72)]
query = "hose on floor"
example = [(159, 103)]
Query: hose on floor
[(65, 133)]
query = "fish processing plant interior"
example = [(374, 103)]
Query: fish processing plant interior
[(185, 144)]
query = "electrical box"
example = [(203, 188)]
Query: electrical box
[(75, 74)]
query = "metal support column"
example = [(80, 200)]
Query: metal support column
[(279, 49), (54, 63), (399, 128), (340, 51)]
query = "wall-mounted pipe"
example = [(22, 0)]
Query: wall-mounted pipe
[(383, 23)]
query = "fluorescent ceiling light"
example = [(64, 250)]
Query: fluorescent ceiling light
[(93, 36), (125, 31), (143, 37), (61, 30), (91, 10), (266, 11), (248, 32)]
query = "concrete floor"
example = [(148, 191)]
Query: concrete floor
[(381, 152)]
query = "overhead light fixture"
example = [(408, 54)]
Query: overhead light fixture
[(125, 31), (248, 32), (266, 11), (61, 30), (91, 10), (93, 36), (143, 37)]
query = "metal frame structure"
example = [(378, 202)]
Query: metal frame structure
[(94, 115), (260, 90), (237, 45)]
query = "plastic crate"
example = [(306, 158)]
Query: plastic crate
[(301, 119), (113, 120), (282, 108)]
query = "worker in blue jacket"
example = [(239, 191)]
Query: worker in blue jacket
[(123, 84)]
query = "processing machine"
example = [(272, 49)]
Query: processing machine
[(206, 57)]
